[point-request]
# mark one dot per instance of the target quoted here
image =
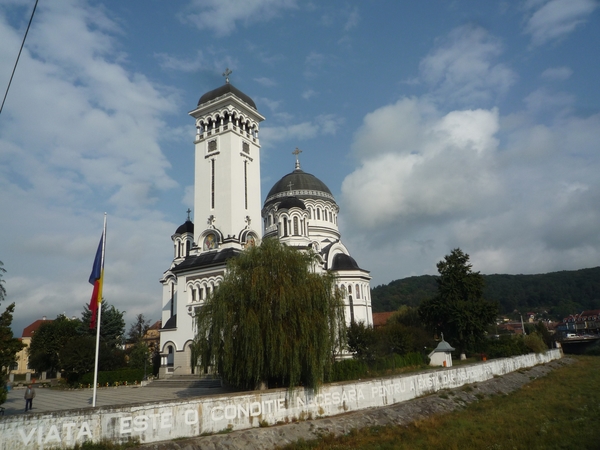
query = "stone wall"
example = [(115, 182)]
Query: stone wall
[(151, 422)]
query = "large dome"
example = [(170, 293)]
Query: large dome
[(226, 89), (301, 185)]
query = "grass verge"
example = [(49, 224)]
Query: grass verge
[(559, 411)]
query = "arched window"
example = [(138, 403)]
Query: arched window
[(318, 213), (296, 233)]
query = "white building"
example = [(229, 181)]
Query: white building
[(300, 210)]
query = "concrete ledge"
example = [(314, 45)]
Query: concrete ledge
[(160, 421)]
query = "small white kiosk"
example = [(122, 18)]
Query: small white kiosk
[(442, 355)]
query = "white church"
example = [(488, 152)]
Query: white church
[(299, 210)]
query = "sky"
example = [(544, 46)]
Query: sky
[(435, 124)]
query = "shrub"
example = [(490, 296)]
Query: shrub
[(535, 343)]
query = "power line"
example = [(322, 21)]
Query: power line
[(18, 56)]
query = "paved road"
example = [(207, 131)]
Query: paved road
[(55, 400)]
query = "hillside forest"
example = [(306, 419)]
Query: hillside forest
[(553, 295)]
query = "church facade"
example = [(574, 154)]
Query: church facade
[(299, 210)]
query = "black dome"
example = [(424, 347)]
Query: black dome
[(291, 202), (341, 261), (187, 227), (226, 89), (303, 185)]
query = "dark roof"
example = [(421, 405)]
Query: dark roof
[(187, 227), (341, 261), (171, 323), (205, 259), (443, 347), (300, 181), (30, 329), (291, 202), (226, 89)]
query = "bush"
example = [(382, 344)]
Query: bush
[(114, 376), (504, 347), (348, 369), (535, 343), (354, 369)]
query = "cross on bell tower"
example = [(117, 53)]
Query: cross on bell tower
[(226, 75)]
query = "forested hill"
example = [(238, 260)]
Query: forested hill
[(560, 293)]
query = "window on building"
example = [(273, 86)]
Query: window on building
[(246, 184), (296, 232), (246, 147), (318, 213), (212, 183), (212, 145)]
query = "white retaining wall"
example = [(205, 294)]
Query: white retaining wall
[(151, 422)]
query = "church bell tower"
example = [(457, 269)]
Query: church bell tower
[(227, 200)]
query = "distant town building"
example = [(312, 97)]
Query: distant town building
[(22, 367)]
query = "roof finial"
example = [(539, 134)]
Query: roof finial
[(297, 152), (226, 75), (188, 212)]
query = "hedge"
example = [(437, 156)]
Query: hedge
[(114, 376)]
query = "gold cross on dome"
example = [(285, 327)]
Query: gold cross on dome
[(297, 152), (226, 75)]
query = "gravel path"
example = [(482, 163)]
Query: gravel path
[(399, 414)]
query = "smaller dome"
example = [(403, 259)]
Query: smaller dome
[(291, 202), (226, 89), (341, 261), (187, 227)]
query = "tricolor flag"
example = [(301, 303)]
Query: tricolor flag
[(96, 278)]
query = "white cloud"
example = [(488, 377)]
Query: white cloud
[(526, 204), (308, 93), (353, 19), (432, 167), (557, 73), (554, 19), (325, 124), (268, 82), (80, 134), (462, 69), (223, 16)]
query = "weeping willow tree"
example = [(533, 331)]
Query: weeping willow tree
[(272, 320)]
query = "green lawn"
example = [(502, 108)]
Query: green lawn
[(559, 411)]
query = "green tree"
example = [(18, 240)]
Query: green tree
[(138, 329), (48, 341), (362, 341), (272, 319), (9, 347), (2, 288), (139, 356), (459, 309), (112, 324)]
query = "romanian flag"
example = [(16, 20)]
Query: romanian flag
[(96, 278)]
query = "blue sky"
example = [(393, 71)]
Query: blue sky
[(436, 124)]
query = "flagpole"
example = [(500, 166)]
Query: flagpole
[(98, 321)]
